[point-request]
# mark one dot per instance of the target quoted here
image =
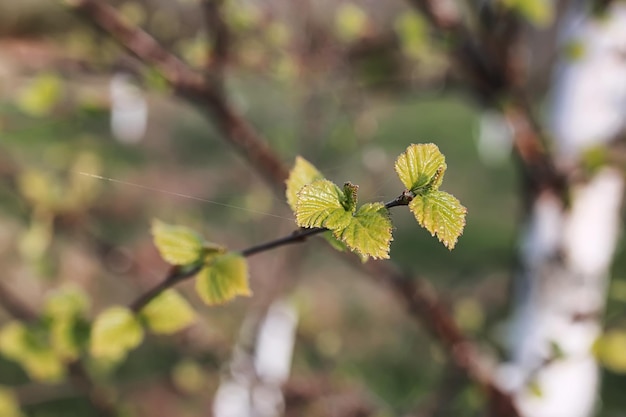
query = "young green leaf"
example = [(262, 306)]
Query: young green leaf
[(441, 214), (13, 340), (63, 339), (538, 12), (40, 96), (178, 245), (115, 332), (323, 204), (9, 406), (168, 313), (609, 350), (303, 173), (189, 377), (224, 278), (369, 231), (42, 364), (19, 343), (421, 167), (67, 302)]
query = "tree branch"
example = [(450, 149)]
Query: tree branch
[(242, 136), (16, 307), (218, 55)]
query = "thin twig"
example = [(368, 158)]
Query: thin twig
[(177, 274), (174, 276)]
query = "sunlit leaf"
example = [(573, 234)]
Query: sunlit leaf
[(421, 167), (19, 343), (178, 245), (13, 340), (62, 338), (168, 313), (115, 332), (537, 12), (70, 301), (41, 188), (9, 406), (412, 31), (188, 376), (369, 231), (133, 13), (40, 96), (42, 364), (323, 204), (350, 21), (34, 243), (223, 279), (610, 348), (441, 214), (303, 173), (241, 16)]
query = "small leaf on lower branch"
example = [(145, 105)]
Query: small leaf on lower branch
[(168, 313), (223, 279), (178, 245), (114, 333)]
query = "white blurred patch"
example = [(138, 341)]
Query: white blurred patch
[(232, 400), (594, 223), (129, 109), (275, 343), (253, 388), (375, 159), (495, 138), (589, 101)]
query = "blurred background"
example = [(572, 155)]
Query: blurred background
[(94, 145)]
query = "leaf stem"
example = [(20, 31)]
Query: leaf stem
[(297, 236), (175, 275)]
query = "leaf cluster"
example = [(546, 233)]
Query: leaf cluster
[(367, 230)]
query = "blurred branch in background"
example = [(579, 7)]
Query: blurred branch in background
[(220, 42)]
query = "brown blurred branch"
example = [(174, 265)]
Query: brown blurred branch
[(247, 141), (423, 305), (220, 41), (319, 391), (190, 85), (16, 307)]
